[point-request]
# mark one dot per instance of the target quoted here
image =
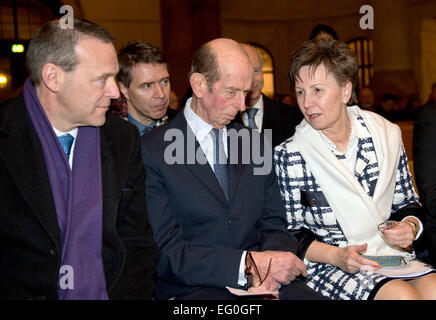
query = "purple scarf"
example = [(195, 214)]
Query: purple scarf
[(78, 201)]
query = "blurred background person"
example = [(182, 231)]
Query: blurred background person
[(174, 101), (322, 31), (366, 99), (262, 112), (424, 158), (432, 97)]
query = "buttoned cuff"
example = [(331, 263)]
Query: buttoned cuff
[(241, 278)]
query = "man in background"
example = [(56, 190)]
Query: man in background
[(262, 112), (424, 159), (144, 81), (366, 99)]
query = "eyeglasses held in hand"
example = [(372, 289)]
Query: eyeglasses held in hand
[(251, 264)]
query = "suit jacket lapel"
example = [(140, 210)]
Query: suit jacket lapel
[(111, 182), (202, 171), (22, 154), (270, 120), (235, 169)]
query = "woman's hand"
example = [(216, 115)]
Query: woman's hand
[(401, 234), (350, 260)]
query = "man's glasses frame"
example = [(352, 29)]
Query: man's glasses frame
[(251, 264)]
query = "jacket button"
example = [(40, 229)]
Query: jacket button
[(52, 251), (230, 221), (313, 202)]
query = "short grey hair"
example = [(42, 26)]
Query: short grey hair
[(54, 44)]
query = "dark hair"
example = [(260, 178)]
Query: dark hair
[(322, 28), (389, 96), (55, 44), (336, 56), (136, 52), (205, 62)]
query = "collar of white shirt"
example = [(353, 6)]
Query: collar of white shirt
[(201, 130), (74, 134)]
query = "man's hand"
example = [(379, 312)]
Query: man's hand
[(268, 285), (285, 266)]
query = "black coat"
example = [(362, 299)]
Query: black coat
[(424, 160), (30, 247), (280, 118)]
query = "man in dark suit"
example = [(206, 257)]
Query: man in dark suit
[(217, 221), (280, 118), (424, 159), (144, 81), (73, 222)]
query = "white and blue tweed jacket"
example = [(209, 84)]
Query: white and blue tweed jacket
[(306, 207)]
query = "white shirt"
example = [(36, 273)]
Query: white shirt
[(258, 118), (201, 130), (74, 134)]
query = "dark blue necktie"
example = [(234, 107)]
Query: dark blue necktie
[(251, 113), (66, 142), (220, 167)]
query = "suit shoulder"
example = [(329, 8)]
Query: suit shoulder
[(287, 148), (117, 124), (12, 102), (282, 109), (236, 125), (13, 113), (427, 112), (171, 113), (155, 139)]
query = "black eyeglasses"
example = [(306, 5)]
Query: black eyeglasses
[(251, 264)]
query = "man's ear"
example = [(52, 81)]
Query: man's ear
[(52, 76), (198, 84), (123, 90)]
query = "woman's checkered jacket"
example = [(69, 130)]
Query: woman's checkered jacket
[(306, 207)]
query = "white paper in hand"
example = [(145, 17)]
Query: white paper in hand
[(242, 293)]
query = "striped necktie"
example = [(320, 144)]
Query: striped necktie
[(251, 113), (220, 166)]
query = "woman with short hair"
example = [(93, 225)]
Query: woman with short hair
[(341, 175)]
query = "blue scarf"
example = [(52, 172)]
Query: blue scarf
[(78, 200)]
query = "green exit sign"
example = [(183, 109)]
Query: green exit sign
[(17, 48)]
